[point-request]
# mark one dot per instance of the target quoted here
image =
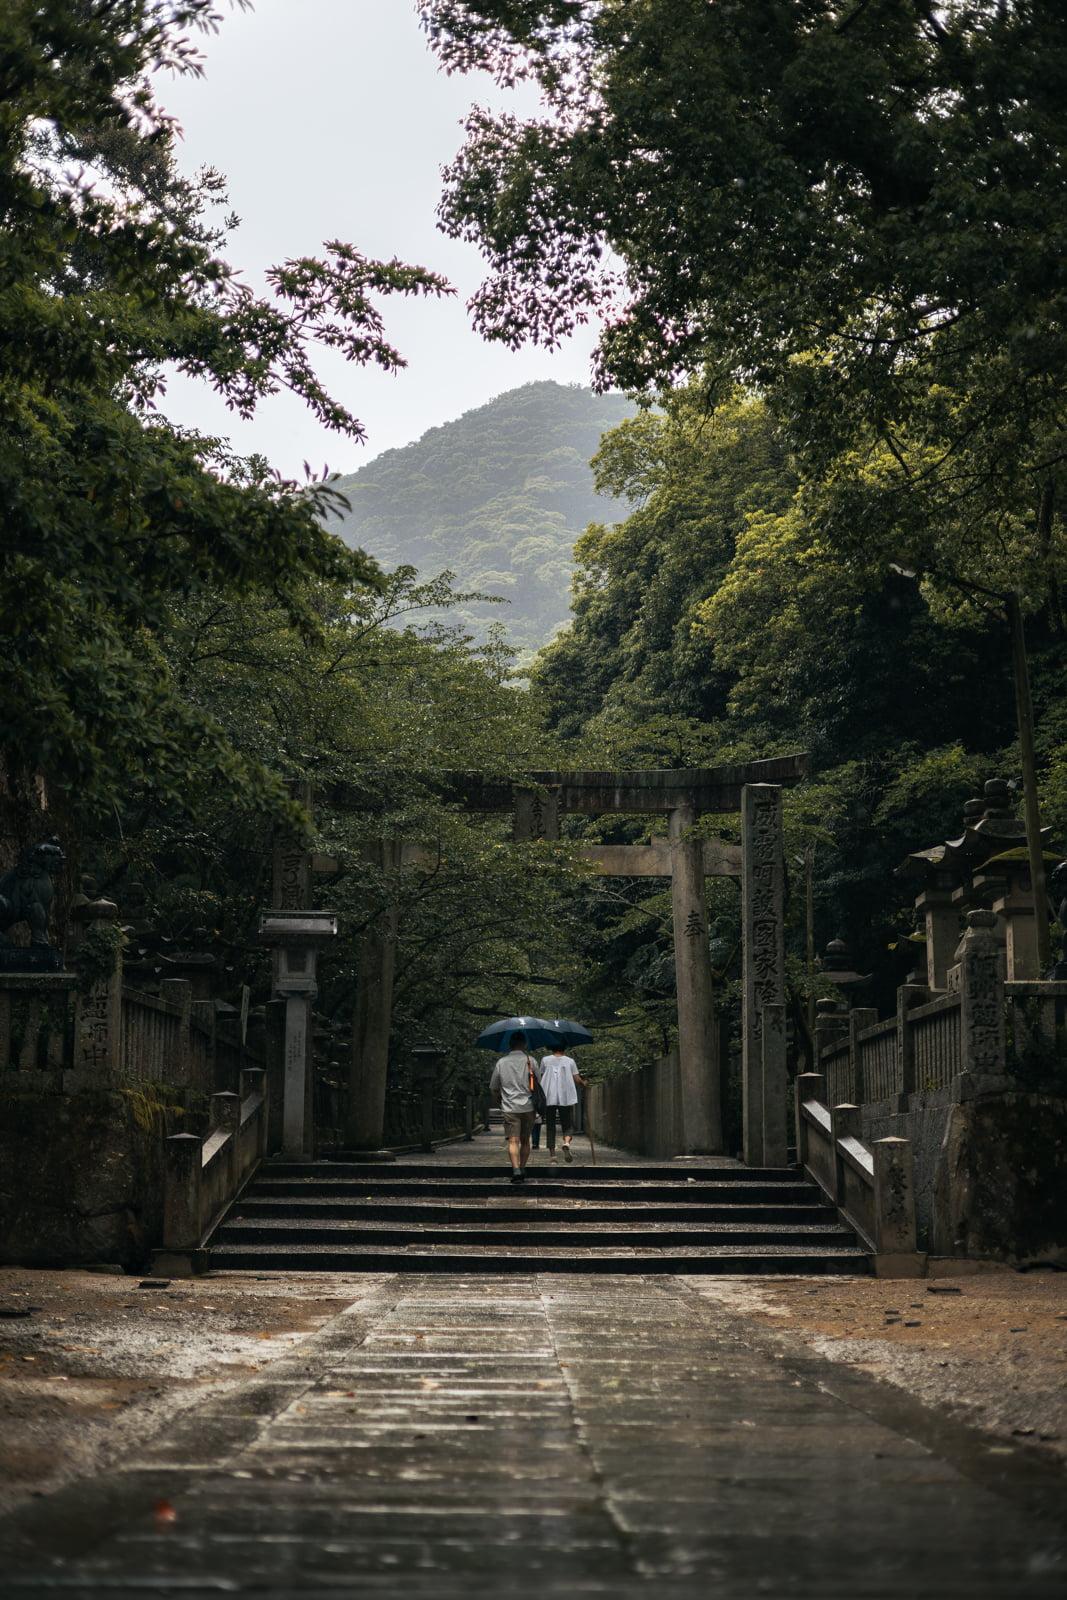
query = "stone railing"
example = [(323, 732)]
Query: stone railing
[(413, 1120), (416, 1120), (110, 1035), (37, 1021), (932, 1044), (202, 1177), (872, 1185), (835, 1063), (163, 1041), (640, 1110), (975, 1077), (934, 1038)]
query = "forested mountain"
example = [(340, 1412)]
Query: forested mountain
[(498, 497)]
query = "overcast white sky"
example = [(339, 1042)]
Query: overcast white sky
[(331, 120)]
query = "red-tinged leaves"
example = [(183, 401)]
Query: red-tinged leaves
[(164, 1515)]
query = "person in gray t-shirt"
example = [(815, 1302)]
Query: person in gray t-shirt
[(510, 1088)]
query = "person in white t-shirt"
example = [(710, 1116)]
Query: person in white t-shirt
[(559, 1077)]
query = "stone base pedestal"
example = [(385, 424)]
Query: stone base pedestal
[(179, 1263), (907, 1264)]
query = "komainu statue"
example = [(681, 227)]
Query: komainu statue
[(26, 893)]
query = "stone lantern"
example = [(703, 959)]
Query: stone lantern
[(297, 937), (837, 968), (988, 862)]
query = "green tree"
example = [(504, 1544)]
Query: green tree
[(111, 269), (859, 207), (370, 709), (720, 622), (878, 179)]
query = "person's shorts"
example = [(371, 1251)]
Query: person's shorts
[(518, 1124)]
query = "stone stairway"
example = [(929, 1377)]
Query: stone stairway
[(446, 1216)]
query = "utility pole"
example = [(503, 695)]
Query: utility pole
[(809, 933), (1024, 711)]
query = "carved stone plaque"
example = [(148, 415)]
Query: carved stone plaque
[(763, 964)]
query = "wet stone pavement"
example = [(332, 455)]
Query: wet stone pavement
[(587, 1436)]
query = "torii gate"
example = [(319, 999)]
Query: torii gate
[(537, 801)]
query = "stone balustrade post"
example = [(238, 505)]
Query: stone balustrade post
[(909, 995), (178, 994), (846, 1122), (830, 1025), (253, 1082), (98, 1012), (181, 1192), (858, 1019), (983, 1046), (894, 1197), (225, 1117), (203, 1013), (468, 1117), (225, 1112), (808, 1086)]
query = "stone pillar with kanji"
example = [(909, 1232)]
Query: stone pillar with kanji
[(763, 974)]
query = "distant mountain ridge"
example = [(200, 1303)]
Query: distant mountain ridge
[(498, 497)]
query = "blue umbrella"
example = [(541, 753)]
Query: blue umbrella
[(569, 1033), (539, 1034)]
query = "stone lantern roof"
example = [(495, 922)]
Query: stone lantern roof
[(837, 967), (990, 827)]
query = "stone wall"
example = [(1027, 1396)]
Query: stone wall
[(990, 1168), (640, 1111), (81, 1174)]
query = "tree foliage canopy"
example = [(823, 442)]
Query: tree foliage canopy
[(858, 207), (719, 622), (111, 271)]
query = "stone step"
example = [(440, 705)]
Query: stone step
[(506, 1207), (238, 1229), (672, 1171), (573, 1186), (717, 1259)]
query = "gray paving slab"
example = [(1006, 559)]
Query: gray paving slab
[(589, 1436)]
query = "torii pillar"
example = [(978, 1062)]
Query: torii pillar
[(763, 975), (372, 1017), (698, 1035)]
